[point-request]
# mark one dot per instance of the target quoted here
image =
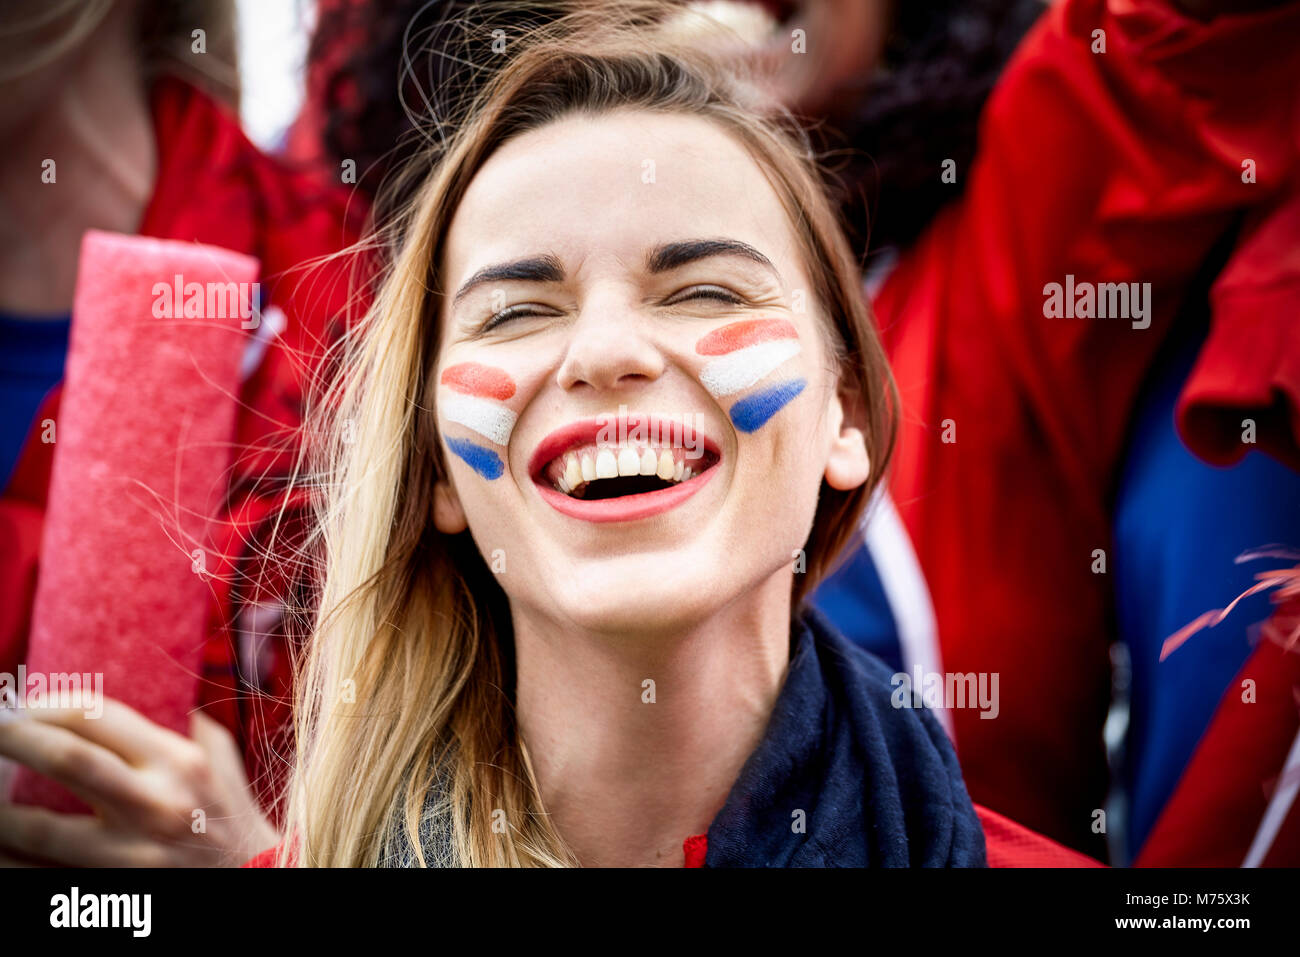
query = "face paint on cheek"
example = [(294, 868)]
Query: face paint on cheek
[(474, 378), (752, 412), (748, 352), (481, 459), (473, 395)]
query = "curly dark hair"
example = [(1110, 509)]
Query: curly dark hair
[(382, 73), (923, 106), (382, 70)]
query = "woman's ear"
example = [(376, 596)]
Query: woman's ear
[(448, 516), (847, 465)]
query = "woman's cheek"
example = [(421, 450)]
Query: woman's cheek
[(752, 361), (476, 416)]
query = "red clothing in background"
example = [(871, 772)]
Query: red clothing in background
[(1119, 166)]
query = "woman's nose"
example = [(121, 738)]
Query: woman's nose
[(610, 347)]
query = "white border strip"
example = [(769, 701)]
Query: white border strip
[(740, 369), (907, 592), (487, 417), (1278, 808)]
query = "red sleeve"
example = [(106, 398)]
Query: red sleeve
[(695, 848), (20, 531), (1115, 166), (1008, 844), (22, 518), (1248, 371), (266, 859)]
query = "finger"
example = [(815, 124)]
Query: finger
[(225, 759), (7, 771), (93, 773), (74, 840), (213, 736), (121, 729)]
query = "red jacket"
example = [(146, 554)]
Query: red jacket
[(214, 187), (1126, 165)]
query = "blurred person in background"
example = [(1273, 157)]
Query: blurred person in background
[(1162, 410), (1045, 478), (133, 101)]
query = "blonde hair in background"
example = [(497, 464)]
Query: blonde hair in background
[(404, 718), (37, 33)]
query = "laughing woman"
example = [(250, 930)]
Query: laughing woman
[(616, 408)]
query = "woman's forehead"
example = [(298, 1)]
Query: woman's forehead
[(613, 186)]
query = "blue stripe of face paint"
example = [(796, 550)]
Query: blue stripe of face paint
[(753, 411), (483, 461)]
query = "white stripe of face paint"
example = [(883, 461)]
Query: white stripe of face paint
[(739, 370), (489, 419)]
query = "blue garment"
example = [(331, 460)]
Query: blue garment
[(878, 785), (32, 353), (1179, 523)]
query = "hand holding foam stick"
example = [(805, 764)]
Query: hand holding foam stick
[(143, 447)]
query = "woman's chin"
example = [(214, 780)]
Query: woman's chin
[(640, 594)]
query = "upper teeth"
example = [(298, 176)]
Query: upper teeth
[(590, 465)]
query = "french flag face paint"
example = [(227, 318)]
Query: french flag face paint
[(744, 354), (473, 395)]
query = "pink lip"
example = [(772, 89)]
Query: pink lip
[(627, 508)]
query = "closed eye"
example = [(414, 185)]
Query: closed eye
[(716, 293), (708, 292), (510, 312)]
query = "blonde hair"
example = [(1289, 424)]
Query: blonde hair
[(404, 715)]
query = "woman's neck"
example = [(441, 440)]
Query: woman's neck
[(94, 122), (636, 740)]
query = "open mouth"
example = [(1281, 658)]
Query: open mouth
[(588, 471), (593, 473)]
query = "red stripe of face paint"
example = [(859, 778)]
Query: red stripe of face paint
[(473, 378), (746, 333)]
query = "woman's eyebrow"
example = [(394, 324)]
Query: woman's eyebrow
[(676, 254), (662, 258), (546, 268)]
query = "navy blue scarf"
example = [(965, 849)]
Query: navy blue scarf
[(878, 786)]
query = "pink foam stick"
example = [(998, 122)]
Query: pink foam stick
[(143, 445)]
